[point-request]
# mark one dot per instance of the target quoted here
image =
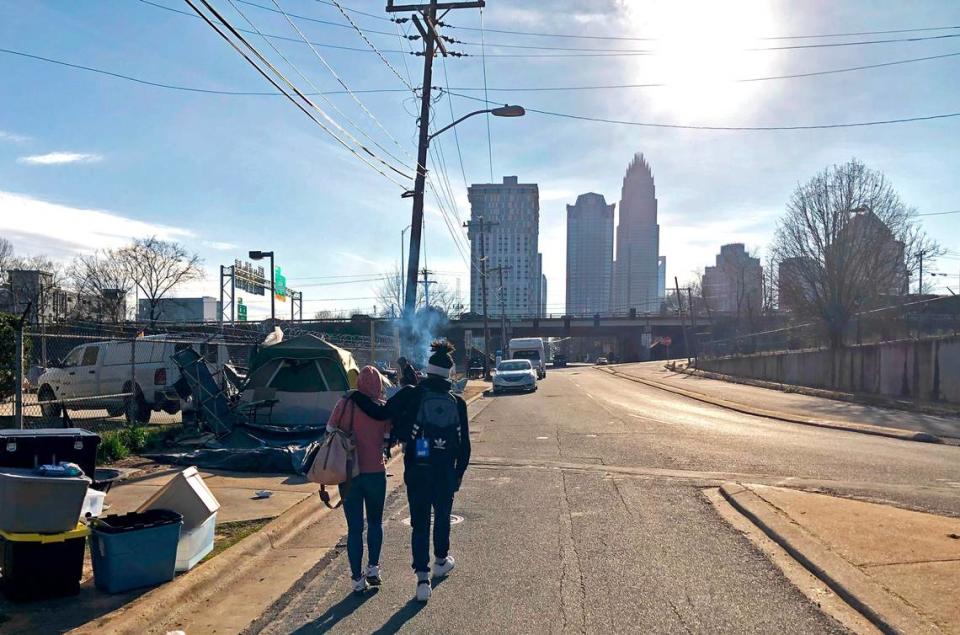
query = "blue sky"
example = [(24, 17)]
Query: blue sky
[(88, 161)]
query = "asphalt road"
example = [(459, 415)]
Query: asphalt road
[(584, 512)]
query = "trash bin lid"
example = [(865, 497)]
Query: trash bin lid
[(80, 531)]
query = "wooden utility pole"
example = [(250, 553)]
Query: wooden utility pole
[(693, 323), (426, 282), (482, 226), (503, 306), (429, 30)]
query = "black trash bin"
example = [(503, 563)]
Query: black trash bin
[(30, 448)]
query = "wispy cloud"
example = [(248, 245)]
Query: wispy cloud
[(219, 246), (13, 138), (61, 230), (60, 158)]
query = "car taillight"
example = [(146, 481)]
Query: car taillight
[(160, 377)]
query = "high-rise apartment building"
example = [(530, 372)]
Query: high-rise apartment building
[(636, 270), (589, 255), (735, 283), (511, 219)]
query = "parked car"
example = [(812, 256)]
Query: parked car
[(514, 375), (602, 361), (559, 361), (98, 376)]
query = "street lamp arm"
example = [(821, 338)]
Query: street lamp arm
[(501, 111)]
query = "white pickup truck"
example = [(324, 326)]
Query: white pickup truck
[(104, 376)]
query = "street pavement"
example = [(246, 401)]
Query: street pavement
[(584, 512)]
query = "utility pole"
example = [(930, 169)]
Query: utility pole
[(428, 28), (683, 323), (501, 289), (426, 282), (482, 226), (693, 323)]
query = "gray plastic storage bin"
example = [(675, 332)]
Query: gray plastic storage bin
[(34, 504), (188, 495), (134, 550)]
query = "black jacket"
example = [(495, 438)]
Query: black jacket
[(404, 407)]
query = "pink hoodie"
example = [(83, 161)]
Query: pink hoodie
[(369, 433)]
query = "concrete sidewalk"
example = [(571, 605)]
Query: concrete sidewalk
[(899, 568), (797, 407)]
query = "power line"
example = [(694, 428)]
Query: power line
[(312, 85), (483, 61), (373, 46), (860, 124), (956, 211), (284, 79), (456, 135)]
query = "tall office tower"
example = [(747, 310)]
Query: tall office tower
[(511, 221), (735, 283), (661, 277), (635, 278), (589, 255)]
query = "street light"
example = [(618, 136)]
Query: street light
[(410, 292), (260, 255)]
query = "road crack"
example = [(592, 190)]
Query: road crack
[(570, 559)]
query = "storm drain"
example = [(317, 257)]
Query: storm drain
[(454, 520)]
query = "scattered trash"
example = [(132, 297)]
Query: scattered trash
[(263, 493)]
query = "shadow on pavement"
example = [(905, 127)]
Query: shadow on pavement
[(339, 611), (405, 614)]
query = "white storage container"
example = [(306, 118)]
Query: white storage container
[(195, 544), (187, 495), (92, 504)]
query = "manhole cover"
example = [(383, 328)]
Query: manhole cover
[(454, 520)]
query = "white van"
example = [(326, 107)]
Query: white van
[(97, 376), (531, 348)]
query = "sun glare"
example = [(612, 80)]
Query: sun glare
[(699, 52)]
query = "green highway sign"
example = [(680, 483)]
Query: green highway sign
[(241, 310), (279, 285)]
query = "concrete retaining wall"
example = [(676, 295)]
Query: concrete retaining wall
[(928, 369)]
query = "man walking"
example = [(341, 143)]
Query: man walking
[(432, 424)]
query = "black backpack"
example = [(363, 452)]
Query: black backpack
[(438, 425)]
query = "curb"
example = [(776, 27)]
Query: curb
[(231, 567), (863, 428), (887, 612)]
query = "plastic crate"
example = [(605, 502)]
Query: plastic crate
[(30, 448), (92, 504), (188, 495), (31, 503), (41, 566), (195, 544), (134, 550)]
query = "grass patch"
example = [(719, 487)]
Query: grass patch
[(119, 444), (229, 534)]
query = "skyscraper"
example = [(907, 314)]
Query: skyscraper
[(734, 284), (661, 277), (636, 270), (589, 255), (511, 212)]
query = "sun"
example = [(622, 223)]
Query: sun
[(700, 51)]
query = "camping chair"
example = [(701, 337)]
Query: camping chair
[(264, 398)]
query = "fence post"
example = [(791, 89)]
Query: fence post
[(132, 404), (373, 342), (18, 376)]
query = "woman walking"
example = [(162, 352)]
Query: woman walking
[(361, 413)]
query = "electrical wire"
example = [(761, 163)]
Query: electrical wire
[(859, 124), (456, 135), (278, 87), (486, 96), (373, 46), (956, 211), (335, 107)]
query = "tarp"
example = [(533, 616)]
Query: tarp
[(307, 347)]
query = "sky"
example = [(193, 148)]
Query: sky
[(89, 161)]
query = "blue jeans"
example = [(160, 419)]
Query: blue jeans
[(426, 492), (366, 490)]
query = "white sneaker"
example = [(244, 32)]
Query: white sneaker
[(373, 575), (359, 585), (442, 567), (423, 587)]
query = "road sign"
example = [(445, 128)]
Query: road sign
[(279, 285), (666, 340), (248, 278), (241, 310)]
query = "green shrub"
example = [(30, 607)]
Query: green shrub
[(135, 439), (8, 324), (112, 448)]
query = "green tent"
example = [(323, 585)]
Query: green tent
[(306, 374)]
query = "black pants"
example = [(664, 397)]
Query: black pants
[(426, 494)]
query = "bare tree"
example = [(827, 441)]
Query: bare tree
[(847, 240), (157, 267), (6, 258), (390, 297), (107, 275)]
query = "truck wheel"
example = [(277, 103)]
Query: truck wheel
[(136, 408), (50, 409)]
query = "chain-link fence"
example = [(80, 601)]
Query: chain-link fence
[(104, 377)]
